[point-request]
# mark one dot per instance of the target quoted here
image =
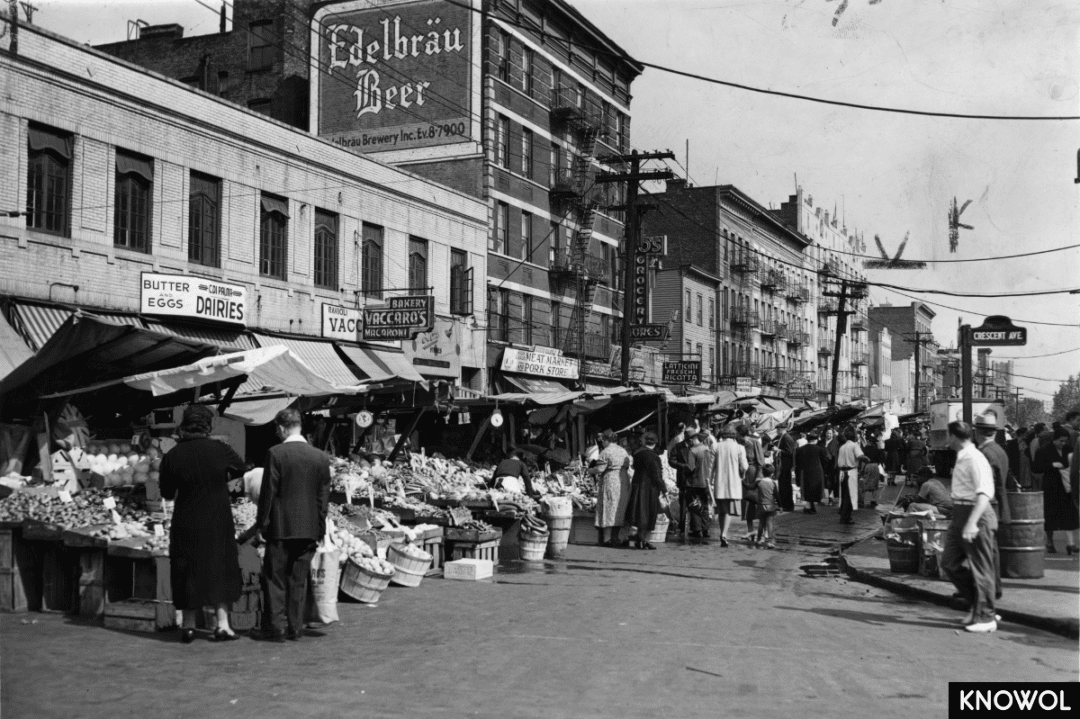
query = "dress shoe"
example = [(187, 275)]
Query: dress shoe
[(982, 627), (220, 635), (267, 635), (1071, 550), (647, 545), (1050, 549), (187, 636)]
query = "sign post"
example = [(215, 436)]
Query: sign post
[(995, 331)]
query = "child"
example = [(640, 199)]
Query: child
[(870, 480), (766, 505), (749, 501)]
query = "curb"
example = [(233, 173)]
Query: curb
[(1069, 628)]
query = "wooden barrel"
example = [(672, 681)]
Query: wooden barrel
[(904, 550), (559, 529), (1021, 540), (533, 546)]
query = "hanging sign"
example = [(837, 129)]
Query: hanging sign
[(539, 363), (648, 333), (192, 297), (998, 331), (647, 248), (401, 318), (682, 372)]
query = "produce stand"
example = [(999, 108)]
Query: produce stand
[(90, 554), (17, 570), (138, 593), (583, 527)]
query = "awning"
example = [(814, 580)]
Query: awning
[(44, 140), (535, 385), (272, 204), (600, 389), (542, 398), (13, 350), (87, 348), (231, 340), (693, 399), (775, 404), (126, 164), (39, 322), (382, 365), (321, 357)]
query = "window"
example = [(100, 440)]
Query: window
[(527, 319), (527, 236), (579, 95), (204, 220), (527, 153), (502, 142), (712, 313), (418, 260), (326, 250), (527, 70), (371, 261), (689, 309), (131, 219), (689, 349), (261, 105), (498, 314), (553, 165), (556, 83), (554, 242), (556, 323), (500, 233), (261, 45), (622, 130), (48, 180), (700, 321), (502, 57), (461, 284), (273, 236), (699, 352)]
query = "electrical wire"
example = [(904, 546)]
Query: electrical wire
[(972, 312), (1052, 354)]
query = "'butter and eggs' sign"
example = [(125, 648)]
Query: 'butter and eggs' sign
[(193, 298)]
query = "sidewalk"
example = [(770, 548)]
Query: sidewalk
[(1051, 603), (824, 528)]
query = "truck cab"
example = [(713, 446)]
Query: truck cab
[(944, 411)]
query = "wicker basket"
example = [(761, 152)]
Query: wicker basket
[(659, 533), (409, 569), (362, 585)]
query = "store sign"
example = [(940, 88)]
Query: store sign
[(192, 297), (592, 368), (438, 352), (998, 331), (639, 363), (682, 372), (341, 323), (539, 363), (394, 75), (647, 249), (401, 319), (648, 333), (744, 385)]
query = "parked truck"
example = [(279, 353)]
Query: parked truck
[(944, 411)]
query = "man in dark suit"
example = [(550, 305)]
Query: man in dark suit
[(787, 446), (293, 504)]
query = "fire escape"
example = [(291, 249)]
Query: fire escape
[(572, 194)]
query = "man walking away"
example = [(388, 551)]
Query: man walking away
[(787, 446), (679, 460), (971, 533), (697, 493), (995, 454), (293, 504)]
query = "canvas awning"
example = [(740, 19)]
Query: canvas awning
[(13, 350), (319, 356), (541, 398), (231, 340), (535, 385), (382, 365), (40, 322), (601, 389)]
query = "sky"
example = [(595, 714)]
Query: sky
[(888, 174)]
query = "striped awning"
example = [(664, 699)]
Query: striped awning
[(232, 340), (37, 323), (321, 357), (13, 350), (382, 365)]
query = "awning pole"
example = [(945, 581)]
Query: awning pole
[(480, 432), (405, 435)]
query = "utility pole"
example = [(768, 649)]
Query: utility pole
[(841, 328), (965, 370), (13, 19), (633, 179), (920, 338), (1017, 415)]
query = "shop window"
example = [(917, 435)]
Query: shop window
[(273, 236), (261, 45), (48, 180), (131, 201), (527, 153), (204, 220), (326, 250), (461, 284), (498, 314), (502, 142), (500, 233), (418, 263), (527, 236), (371, 271)]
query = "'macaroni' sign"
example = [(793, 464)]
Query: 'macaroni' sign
[(401, 319)]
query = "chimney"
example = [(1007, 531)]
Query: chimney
[(171, 32), (221, 25), (676, 184)]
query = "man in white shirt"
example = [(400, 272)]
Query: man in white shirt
[(971, 532)]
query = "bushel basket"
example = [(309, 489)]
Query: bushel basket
[(361, 584)]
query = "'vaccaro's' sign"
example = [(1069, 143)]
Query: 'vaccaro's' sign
[(394, 76)]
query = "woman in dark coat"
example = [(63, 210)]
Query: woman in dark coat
[(205, 570), (645, 490), (916, 454), (894, 447), (832, 450), (1059, 512), (811, 462)]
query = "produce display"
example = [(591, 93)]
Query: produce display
[(374, 565), (534, 525), (244, 512), (120, 464), (413, 551), (84, 510), (351, 545), (477, 525)]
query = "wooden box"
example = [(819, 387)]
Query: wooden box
[(474, 550), (469, 569), (19, 590), (140, 615), (434, 547)]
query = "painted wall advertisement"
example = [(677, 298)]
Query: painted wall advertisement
[(393, 75), (543, 364), (192, 297), (436, 353)]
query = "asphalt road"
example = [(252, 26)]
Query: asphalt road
[(685, 631)]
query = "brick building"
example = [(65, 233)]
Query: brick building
[(904, 322), (112, 171), (540, 97), (764, 320)]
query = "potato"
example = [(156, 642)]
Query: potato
[(125, 448), (155, 464), (153, 476), (113, 448)]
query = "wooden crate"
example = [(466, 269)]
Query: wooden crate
[(90, 588), (59, 576), (434, 547), (474, 550), (140, 615), (19, 576), (583, 528)]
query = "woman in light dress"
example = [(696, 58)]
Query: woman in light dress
[(613, 468)]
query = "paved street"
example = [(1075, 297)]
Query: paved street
[(683, 631)]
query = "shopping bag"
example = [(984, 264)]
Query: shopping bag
[(325, 577)]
